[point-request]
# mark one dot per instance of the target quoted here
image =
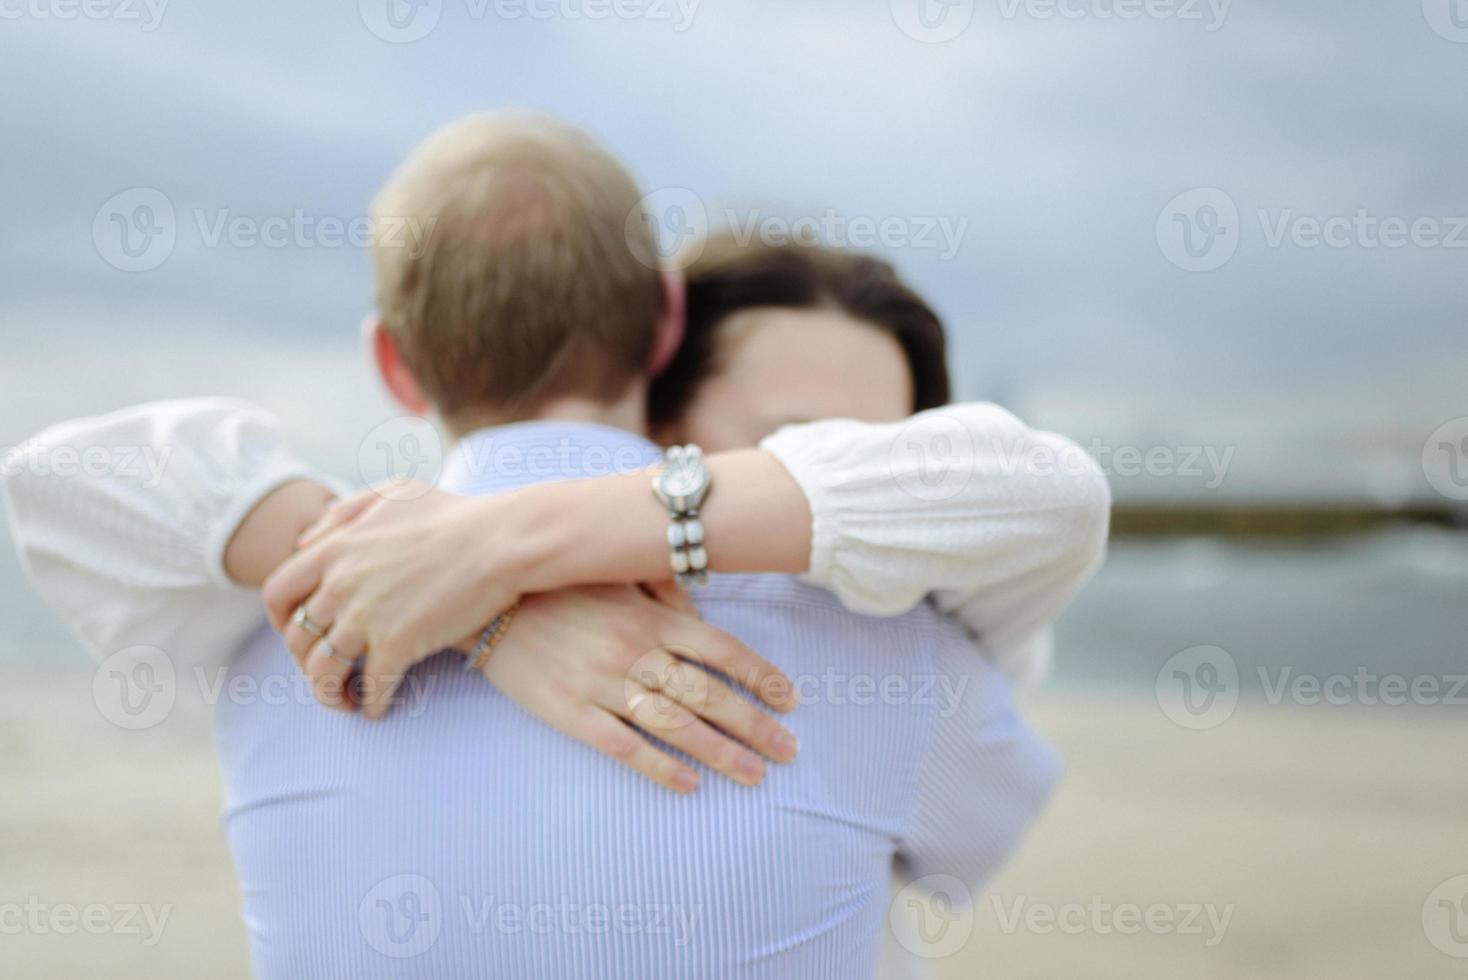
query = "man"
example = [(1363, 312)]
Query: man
[(467, 839)]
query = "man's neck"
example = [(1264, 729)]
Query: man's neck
[(628, 413)]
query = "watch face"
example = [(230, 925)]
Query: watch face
[(681, 481)]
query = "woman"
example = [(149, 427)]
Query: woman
[(880, 509)]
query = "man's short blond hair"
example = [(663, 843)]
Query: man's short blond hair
[(529, 277)]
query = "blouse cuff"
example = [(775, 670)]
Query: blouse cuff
[(276, 472), (812, 464)]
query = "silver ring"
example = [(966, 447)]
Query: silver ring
[(302, 620), (331, 654)]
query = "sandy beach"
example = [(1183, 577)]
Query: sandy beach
[(1313, 838)]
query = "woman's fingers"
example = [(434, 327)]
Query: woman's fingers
[(289, 585), (717, 650), (382, 673), (608, 734), (669, 593), (666, 693), (675, 724), (342, 511), (329, 665)]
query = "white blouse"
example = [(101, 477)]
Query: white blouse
[(999, 523)]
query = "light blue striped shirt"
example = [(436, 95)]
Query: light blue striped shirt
[(461, 837)]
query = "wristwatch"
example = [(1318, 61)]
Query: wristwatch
[(681, 484)]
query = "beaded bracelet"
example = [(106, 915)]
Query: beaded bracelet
[(490, 639)]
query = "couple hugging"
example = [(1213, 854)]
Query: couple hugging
[(603, 773)]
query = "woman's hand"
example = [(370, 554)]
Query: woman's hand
[(390, 582), (595, 661)]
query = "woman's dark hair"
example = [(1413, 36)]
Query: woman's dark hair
[(729, 277)]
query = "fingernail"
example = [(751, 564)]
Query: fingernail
[(786, 746), (686, 780), (748, 765)]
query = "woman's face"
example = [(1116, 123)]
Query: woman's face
[(777, 365)]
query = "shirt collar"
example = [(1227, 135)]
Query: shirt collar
[(505, 457)]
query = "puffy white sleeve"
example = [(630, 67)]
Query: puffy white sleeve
[(122, 521), (1000, 523)]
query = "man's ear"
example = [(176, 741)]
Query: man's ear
[(670, 324), (395, 375)]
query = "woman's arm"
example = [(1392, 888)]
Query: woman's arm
[(123, 521), (152, 526), (1001, 523), (1005, 522)]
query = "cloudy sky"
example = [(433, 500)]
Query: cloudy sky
[(1236, 226)]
